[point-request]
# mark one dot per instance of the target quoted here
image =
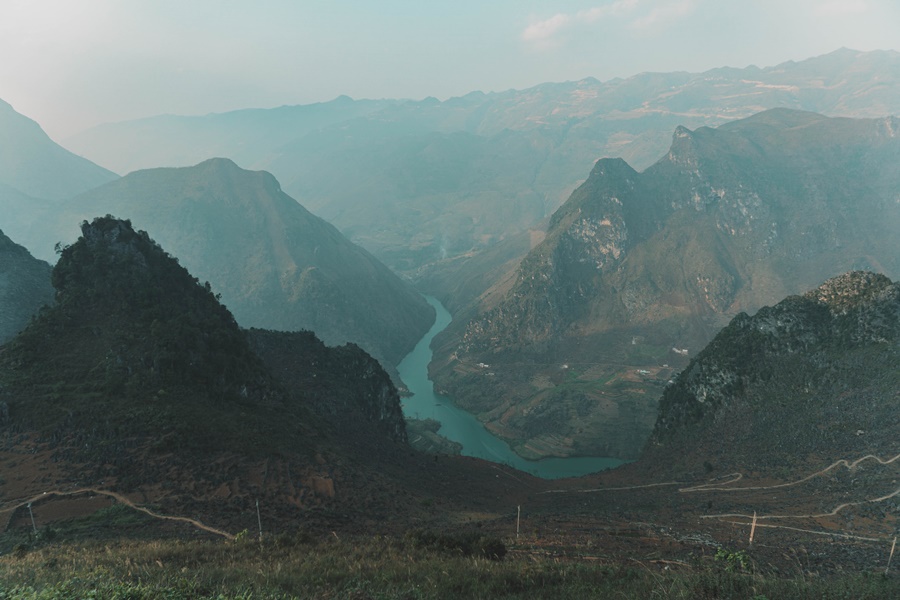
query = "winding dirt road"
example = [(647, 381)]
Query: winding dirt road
[(120, 498)]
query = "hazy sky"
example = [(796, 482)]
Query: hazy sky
[(70, 64)]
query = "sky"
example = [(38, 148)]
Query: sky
[(71, 64)]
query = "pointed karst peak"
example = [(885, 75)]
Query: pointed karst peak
[(116, 236), (681, 132), (682, 138), (108, 229), (683, 148), (108, 247), (611, 167), (115, 270), (165, 325)]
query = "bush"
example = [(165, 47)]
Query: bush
[(467, 544)]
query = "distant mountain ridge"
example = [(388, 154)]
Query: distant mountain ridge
[(638, 270), (35, 165), (421, 182), (242, 135), (24, 287), (37, 175), (275, 264)]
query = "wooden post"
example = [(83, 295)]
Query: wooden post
[(259, 520), (753, 528), (518, 517), (893, 546), (31, 514)]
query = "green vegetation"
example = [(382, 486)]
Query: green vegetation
[(737, 561), (418, 566)]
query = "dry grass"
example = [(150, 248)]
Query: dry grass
[(416, 566)]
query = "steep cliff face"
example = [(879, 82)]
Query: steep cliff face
[(815, 374), (638, 269), (555, 282), (343, 384), (24, 287)]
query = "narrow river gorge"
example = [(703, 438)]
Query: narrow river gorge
[(463, 427)]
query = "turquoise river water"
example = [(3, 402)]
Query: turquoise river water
[(461, 426)]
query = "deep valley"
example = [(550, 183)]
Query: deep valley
[(637, 338)]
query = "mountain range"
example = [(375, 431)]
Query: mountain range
[(673, 313), (137, 390), (639, 270), (275, 264), (421, 182)]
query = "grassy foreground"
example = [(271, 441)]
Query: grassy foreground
[(416, 566)]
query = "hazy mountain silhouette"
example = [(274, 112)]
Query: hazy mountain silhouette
[(418, 182), (35, 174), (24, 287), (275, 264), (36, 165)]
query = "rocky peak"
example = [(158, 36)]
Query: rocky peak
[(116, 236), (798, 341), (683, 151), (849, 291)]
